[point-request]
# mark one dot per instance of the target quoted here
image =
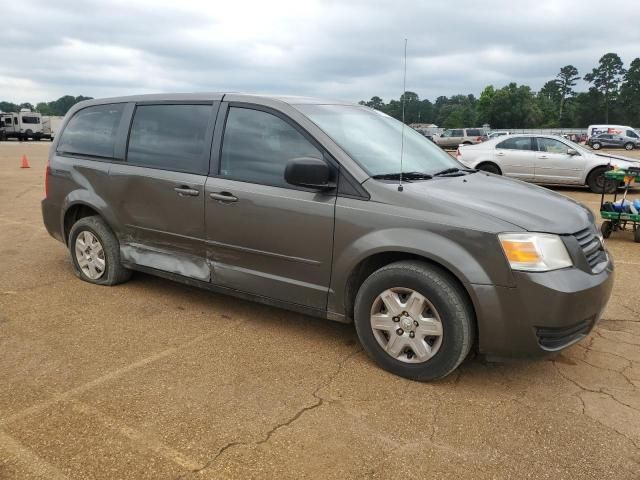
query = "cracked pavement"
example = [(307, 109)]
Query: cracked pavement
[(156, 380)]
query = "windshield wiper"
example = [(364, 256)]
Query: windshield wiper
[(454, 172), (405, 176)]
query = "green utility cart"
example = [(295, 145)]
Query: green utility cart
[(620, 218)]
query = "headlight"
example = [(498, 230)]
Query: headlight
[(535, 252)]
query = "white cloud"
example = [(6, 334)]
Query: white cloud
[(349, 50)]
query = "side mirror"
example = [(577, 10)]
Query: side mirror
[(308, 172), (572, 152)]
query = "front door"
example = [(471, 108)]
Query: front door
[(554, 164), (158, 192), (266, 237)]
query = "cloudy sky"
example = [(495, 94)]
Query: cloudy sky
[(346, 49)]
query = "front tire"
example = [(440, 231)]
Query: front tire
[(414, 320), (596, 146), (489, 168), (95, 252), (606, 228), (596, 181)]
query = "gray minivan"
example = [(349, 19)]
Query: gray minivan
[(298, 203)]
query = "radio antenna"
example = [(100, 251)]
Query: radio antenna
[(404, 98)]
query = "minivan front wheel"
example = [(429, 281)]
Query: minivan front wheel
[(414, 320), (95, 252)]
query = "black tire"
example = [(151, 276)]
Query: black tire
[(636, 234), (114, 272), (628, 146), (596, 146), (596, 181), (606, 228), (447, 297), (467, 143), (489, 168)]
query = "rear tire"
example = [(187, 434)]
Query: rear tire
[(596, 146), (606, 228), (92, 243), (489, 168), (628, 146), (435, 303), (596, 181), (636, 234)]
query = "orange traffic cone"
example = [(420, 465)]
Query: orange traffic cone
[(25, 162)]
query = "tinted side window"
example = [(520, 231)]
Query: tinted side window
[(457, 133), (632, 134), (170, 137), (474, 132), (31, 120), (92, 131), (7, 121), (518, 143), (257, 146)]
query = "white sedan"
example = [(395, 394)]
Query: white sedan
[(544, 159)]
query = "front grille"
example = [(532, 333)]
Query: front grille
[(591, 247), (555, 338)]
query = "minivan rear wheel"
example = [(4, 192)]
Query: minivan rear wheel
[(628, 146), (414, 320), (95, 252)]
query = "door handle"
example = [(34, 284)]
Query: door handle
[(186, 191), (543, 156), (500, 154), (225, 197)]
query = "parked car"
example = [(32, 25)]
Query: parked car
[(451, 138), (299, 203), (623, 130), (607, 140), (495, 134), (544, 159)]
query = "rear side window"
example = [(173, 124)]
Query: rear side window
[(474, 132), (171, 137), (31, 120), (7, 121), (92, 131), (518, 143), (257, 146)]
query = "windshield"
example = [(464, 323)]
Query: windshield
[(374, 140)]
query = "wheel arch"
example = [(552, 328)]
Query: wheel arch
[(488, 162), (80, 204)]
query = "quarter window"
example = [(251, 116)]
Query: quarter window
[(171, 137), (257, 146), (516, 143), (92, 131)]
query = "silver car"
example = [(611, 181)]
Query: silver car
[(544, 159)]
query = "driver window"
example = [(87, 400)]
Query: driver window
[(551, 145), (457, 133), (632, 134), (446, 133)]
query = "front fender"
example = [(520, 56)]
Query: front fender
[(450, 247)]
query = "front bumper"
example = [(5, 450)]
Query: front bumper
[(543, 313)]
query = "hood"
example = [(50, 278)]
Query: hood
[(524, 205), (617, 160)]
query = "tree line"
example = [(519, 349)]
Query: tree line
[(57, 107), (613, 97)]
